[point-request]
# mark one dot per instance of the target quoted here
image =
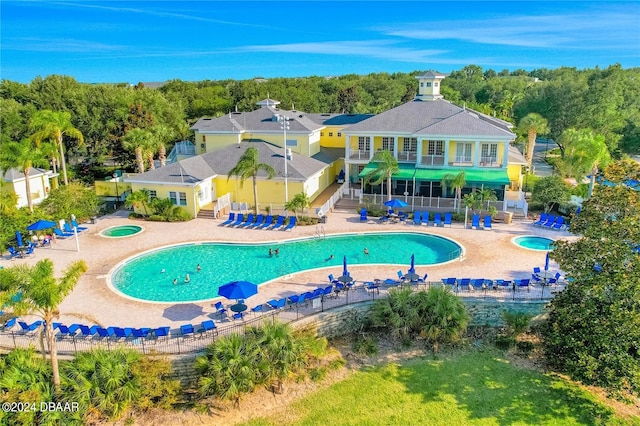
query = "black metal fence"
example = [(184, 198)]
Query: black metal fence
[(177, 343)]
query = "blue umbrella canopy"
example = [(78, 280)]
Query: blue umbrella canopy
[(41, 225), (412, 268), (546, 262), (238, 290), (19, 238), (345, 277), (395, 203)]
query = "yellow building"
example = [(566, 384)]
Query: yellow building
[(431, 137), (39, 182)]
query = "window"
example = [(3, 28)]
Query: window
[(153, 194), (410, 144), (463, 153), (428, 84), (436, 148), (339, 134), (435, 84), (178, 198), (421, 84), (321, 133), (203, 138), (330, 134), (387, 144), (489, 153), (363, 143)]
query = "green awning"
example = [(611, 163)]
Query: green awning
[(405, 172), (495, 177)]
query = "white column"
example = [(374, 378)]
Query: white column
[(446, 152), (476, 155), (395, 147), (419, 153), (505, 160)]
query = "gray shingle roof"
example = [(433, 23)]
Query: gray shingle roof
[(221, 161), (438, 117), (338, 119), (260, 120), (12, 175)]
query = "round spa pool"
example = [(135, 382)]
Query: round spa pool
[(532, 242), (121, 231), (150, 276)]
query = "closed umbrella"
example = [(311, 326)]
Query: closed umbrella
[(41, 225), (411, 274), (238, 290), (19, 239), (345, 277), (546, 262)]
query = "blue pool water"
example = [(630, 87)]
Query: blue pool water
[(533, 243), (142, 277)]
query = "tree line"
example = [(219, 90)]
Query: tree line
[(605, 100)]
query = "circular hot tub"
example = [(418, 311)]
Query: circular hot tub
[(533, 242), (121, 231)]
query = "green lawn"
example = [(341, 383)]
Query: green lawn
[(477, 388)]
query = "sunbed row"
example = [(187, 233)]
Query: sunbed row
[(259, 222), (550, 221), (472, 284), (422, 218)]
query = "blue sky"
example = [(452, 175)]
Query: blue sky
[(129, 41)]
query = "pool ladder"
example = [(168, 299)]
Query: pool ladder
[(320, 232)]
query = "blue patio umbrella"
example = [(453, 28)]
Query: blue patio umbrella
[(238, 290), (41, 225), (412, 268), (19, 238), (395, 203)]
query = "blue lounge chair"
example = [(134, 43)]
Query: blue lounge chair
[(523, 283), (464, 284), (61, 234), (140, 333), (332, 279), (402, 216), (239, 220), (69, 229), (559, 224), (161, 332), (63, 331), (487, 222), (29, 251), (383, 219), (449, 281), (291, 225), (187, 330), (28, 328), (279, 223), (437, 219), (209, 327), (475, 221), (536, 270), (257, 309), (391, 282), (232, 218), (401, 276), (425, 218), (541, 220), (447, 219), (478, 284), (363, 215), (259, 221), (74, 223), (423, 279), (416, 217), (268, 221), (7, 325), (249, 222), (238, 316), (549, 223)]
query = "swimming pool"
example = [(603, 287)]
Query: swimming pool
[(121, 231), (532, 242), (149, 276)]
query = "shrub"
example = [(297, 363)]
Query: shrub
[(525, 347), (516, 322), (365, 345), (505, 342)]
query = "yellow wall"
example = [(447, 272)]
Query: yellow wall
[(213, 142), (270, 191), (333, 141), (162, 191), (514, 171)]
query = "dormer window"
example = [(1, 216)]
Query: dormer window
[(428, 84)]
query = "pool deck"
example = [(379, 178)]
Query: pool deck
[(488, 254)]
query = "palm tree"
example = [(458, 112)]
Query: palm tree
[(533, 124), (137, 140), (139, 198), (280, 349), (55, 125), (41, 294), (299, 202), (163, 134), (386, 166), (249, 165), (584, 153), (22, 156), (456, 182)]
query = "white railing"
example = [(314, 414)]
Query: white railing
[(489, 162), (432, 160), (360, 154), (221, 203), (328, 205), (407, 156)]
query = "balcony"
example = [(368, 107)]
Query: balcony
[(489, 162), (432, 160), (359, 154), (407, 156), (462, 160)]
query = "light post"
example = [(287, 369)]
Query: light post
[(284, 125), (115, 176)]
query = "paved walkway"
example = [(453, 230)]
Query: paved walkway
[(488, 254)]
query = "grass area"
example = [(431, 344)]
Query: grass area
[(467, 388)]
